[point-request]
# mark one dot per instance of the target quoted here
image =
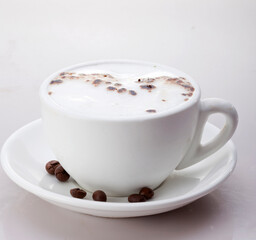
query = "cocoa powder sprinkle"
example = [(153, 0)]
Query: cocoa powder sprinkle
[(151, 111), (121, 90), (132, 92), (148, 87), (110, 88), (97, 82), (56, 81)]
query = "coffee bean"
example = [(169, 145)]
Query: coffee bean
[(61, 174), (77, 193), (51, 166), (99, 196), (136, 198), (147, 192)]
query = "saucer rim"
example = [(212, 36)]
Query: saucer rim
[(109, 206)]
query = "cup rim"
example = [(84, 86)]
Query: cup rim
[(45, 98)]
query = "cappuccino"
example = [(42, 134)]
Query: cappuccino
[(99, 92), (121, 125)]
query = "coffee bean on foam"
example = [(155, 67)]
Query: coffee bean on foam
[(109, 95)]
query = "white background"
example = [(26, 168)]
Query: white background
[(213, 41)]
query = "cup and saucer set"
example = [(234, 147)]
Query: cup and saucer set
[(180, 155)]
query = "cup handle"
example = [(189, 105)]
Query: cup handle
[(197, 152)]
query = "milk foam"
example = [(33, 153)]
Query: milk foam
[(97, 92)]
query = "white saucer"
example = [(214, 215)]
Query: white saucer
[(25, 154)]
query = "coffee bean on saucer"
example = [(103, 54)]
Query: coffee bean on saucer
[(77, 193), (51, 166), (99, 196), (61, 174), (147, 192), (136, 198)]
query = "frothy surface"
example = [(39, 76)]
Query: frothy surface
[(95, 92)]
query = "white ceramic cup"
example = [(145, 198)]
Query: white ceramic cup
[(122, 155)]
